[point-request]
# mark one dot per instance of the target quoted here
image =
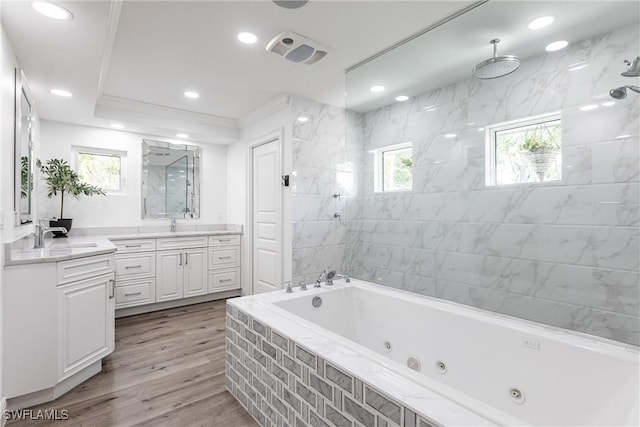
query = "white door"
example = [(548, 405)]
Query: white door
[(267, 214), (86, 324), (195, 272), (169, 275)]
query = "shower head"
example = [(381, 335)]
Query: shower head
[(621, 92), (634, 68), (497, 66)]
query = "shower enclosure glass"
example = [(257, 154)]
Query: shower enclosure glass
[(525, 188)]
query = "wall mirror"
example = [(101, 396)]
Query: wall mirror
[(23, 150), (170, 180)]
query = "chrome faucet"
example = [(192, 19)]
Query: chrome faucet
[(319, 279), (41, 231), (174, 225), (332, 275)]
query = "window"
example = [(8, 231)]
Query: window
[(102, 168), (393, 168), (525, 151)]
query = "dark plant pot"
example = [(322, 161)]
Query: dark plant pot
[(61, 222)]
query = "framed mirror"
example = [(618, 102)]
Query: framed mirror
[(23, 150), (170, 180)]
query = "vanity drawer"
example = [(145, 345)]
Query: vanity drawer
[(137, 245), (135, 292), (181, 242), (140, 264), (224, 240), (84, 268), (220, 280), (227, 256)]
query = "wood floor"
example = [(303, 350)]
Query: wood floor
[(167, 370)]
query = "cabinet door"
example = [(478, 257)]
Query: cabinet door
[(169, 275), (195, 272), (86, 323)]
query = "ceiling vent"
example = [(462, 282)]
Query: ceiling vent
[(296, 48)]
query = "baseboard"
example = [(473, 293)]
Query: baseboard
[(3, 407), (148, 308)]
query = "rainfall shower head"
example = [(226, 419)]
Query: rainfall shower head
[(497, 66), (621, 92), (634, 68)]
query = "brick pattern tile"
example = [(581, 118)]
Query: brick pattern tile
[(282, 384)]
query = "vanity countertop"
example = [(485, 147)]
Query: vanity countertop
[(153, 235), (61, 250)]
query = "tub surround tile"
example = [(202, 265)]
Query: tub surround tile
[(325, 394)]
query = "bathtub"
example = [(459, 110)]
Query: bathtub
[(421, 361)]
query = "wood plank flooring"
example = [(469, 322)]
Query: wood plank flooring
[(167, 370)]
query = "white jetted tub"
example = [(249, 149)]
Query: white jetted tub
[(455, 365)]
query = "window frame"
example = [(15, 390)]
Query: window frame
[(491, 140), (122, 155), (378, 166)]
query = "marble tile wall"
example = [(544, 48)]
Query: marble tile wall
[(280, 383), (565, 253), (321, 170)]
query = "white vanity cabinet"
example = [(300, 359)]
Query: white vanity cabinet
[(86, 329), (182, 267), (224, 263), (59, 322), (135, 272)]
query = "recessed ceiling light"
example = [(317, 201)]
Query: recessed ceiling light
[(182, 135), (623, 136), (61, 92), (480, 129), (578, 66), (192, 95), (543, 21), (378, 88), (608, 103), (430, 108), (555, 46), (402, 98), (247, 38), (450, 135), (589, 107), (117, 126), (51, 10), (303, 119)]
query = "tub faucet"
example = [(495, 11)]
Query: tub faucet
[(332, 275), (174, 225), (319, 279), (303, 284), (289, 288), (41, 232)]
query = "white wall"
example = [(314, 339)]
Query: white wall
[(238, 156), (124, 209)]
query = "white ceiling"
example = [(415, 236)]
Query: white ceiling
[(131, 61)]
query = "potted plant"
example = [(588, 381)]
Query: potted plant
[(60, 178), (541, 148)]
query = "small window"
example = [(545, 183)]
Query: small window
[(393, 168), (102, 168), (525, 151)]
